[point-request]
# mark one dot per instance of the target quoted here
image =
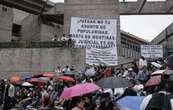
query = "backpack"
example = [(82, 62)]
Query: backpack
[(160, 101)]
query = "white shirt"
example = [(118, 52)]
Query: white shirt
[(142, 63), (63, 38), (11, 91), (125, 73)]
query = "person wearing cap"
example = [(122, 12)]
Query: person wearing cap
[(163, 100), (131, 74)]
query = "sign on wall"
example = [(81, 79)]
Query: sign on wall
[(152, 51), (101, 56), (98, 36)]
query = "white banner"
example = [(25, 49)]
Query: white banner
[(93, 33), (106, 56), (152, 51), (98, 36)]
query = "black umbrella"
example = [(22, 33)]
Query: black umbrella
[(114, 82)]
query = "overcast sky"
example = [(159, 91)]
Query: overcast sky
[(146, 27)]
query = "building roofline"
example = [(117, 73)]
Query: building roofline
[(133, 36)]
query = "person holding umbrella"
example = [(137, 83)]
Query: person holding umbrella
[(80, 102), (107, 103), (163, 100)]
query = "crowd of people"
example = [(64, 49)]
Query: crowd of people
[(44, 92)]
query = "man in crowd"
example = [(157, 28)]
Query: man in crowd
[(163, 100)]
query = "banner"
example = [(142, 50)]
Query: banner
[(101, 56), (98, 36), (152, 51)]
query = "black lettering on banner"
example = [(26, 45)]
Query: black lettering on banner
[(72, 35), (88, 26), (102, 27), (113, 38), (97, 27), (100, 21), (82, 26), (80, 42), (106, 32), (100, 37), (87, 36), (103, 43), (107, 22), (93, 37)]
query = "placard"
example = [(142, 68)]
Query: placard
[(152, 51)]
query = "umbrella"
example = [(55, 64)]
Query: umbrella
[(114, 82), (69, 73), (15, 79), (48, 74), (131, 102), (26, 76), (79, 90), (27, 84), (157, 65), (153, 81), (37, 76), (158, 72), (44, 78), (36, 81), (66, 78)]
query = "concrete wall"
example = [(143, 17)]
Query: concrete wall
[(31, 27), (6, 21), (48, 32), (19, 16), (57, 9), (35, 60)]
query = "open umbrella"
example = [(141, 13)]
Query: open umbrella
[(158, 72), (15, 79), (48, 74), (44, 78), (114, 82), (66, 78), (79, 90), (157, 65), (153, 81), (131, 102), (36, 81), (26, 76), (69, 73), (27, 84)]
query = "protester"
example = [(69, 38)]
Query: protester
[(58, 70), (131, 74), (142, 63), (135, 67), (55, 38), (162, 100), (9, 96), (106, 103), (80, 102), (66, 69)]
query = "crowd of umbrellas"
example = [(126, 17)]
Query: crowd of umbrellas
[(75, 84)]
